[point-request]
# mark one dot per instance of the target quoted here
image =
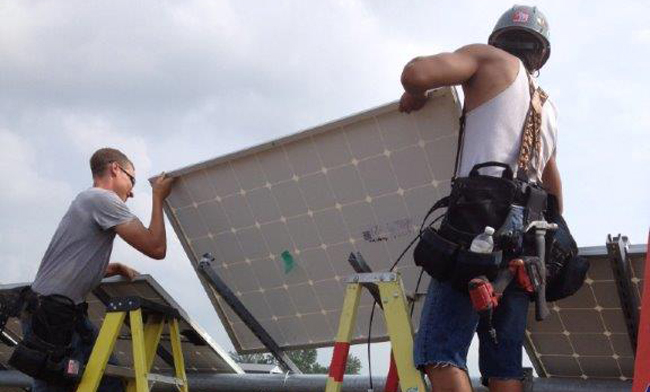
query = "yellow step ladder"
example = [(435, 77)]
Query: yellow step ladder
[(145, 339), (398, 324)]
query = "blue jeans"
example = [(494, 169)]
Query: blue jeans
[(449, 321), (448, 324), (81, 352)]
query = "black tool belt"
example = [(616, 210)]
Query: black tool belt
[(46, 348), (477, 201)]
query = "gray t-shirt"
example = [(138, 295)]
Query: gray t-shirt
[(75, 262)]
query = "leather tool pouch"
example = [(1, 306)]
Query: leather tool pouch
[(46, 346)]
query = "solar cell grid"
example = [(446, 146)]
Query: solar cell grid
[(585, 335), (282, 218)]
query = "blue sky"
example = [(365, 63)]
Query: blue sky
[(174, 83)]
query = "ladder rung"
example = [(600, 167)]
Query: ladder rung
[(119, 371), (128, 373), (165, 379)]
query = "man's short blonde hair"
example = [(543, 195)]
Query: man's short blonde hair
[(102, 157)]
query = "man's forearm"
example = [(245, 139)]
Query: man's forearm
[(157, 224)]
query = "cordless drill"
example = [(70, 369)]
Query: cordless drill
[(485, 295), (485, 298)]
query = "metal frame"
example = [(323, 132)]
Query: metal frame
[(6, 339), (217, 284), (642, 362), (208, 382), (621, 268)]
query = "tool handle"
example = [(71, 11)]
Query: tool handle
[(541, 308)]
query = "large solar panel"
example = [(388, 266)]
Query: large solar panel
[(200, 352), (585, 335), (281, 218)]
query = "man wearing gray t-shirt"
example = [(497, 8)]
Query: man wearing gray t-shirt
[(78, 256)]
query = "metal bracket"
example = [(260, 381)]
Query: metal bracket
[(373, 277), (213, 279), (359, 264), (617, 249), (122, 304)]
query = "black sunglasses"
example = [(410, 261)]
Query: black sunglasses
[(128, 174)]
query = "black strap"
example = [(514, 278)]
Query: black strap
[(459, 144), (442, 203)]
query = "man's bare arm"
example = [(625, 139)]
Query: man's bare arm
[(552, 182), (443, 69), (482, 70), (151, 241)]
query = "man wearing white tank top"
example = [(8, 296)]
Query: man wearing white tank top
[(494, 79)]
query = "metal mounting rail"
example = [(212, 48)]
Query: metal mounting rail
[(206, 270), (622, 268)]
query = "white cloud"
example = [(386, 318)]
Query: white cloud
[(643, 36), (19, 163), (29, 206), (90, 133)]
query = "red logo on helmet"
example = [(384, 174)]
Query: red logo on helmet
[(520, 17)]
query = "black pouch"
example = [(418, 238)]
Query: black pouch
[(566, 271), (44, 351), (569, 279), (435, 254), (42, 361), (471, 264), (478, 200), (28, 360)]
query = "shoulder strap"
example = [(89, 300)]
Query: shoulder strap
[(459, 144), (530, 150)]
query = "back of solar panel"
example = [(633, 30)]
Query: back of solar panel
[(281, 218)]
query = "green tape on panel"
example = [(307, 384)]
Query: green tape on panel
[(288, 261)]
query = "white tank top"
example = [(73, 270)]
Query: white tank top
[(493, 130)]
